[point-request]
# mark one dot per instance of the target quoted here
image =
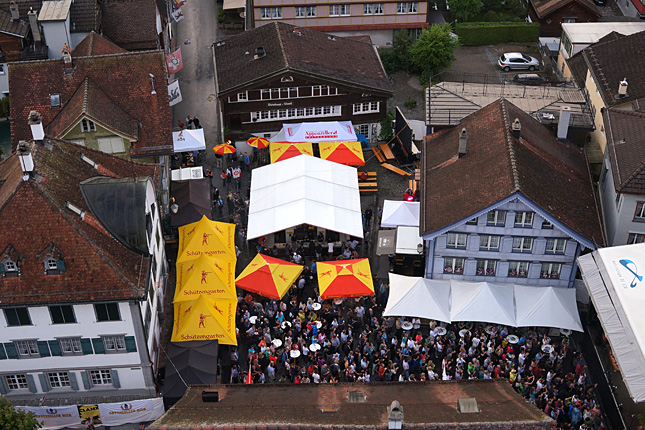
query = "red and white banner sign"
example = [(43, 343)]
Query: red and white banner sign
[(328, 131), (174, 61)]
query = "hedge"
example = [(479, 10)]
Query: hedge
[(491, 33)]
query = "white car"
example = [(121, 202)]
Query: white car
[(517, 61)]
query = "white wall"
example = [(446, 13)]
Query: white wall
[(56, 35), (76, 38), (4, 79)]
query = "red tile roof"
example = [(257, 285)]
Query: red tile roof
[(33, 216), (94, 44), (544, 8), (551, 174), (626, 147), (130, 24), (123, 78)]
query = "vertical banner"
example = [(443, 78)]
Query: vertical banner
[(174, 61), (178, 3), (90, 411), (174, 93), (178, 15)]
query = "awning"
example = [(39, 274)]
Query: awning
[(396, 213), (546, 307), (386, 244), (188, 363), (281, 151), (234, 4), (418, 297), (407, 239), (482, 301), (186, 173), (614, 279), (325, 131), (304, 190), (347, 153), (193, 199), (189, 140)]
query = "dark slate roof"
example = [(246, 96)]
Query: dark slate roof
[(544, 8), (130, 24), (626, 145), (551, 174), (124, 78), (33, 216), (430, 405), (614, 60), (578, 65), (95, 44), (19, 28), (310, 52), (23, 7), (85, 15)]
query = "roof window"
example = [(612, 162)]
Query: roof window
[(54, 100)]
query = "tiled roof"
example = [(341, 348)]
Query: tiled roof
[(578, 65), (89, 100), (544, 8), (289, 48), (85, 15), (551, 174), (130, 24), (94, 44), (23, 7), (612, 61), (33, 216), (626, 145), (19, 28), (430, 405), (124, 78)]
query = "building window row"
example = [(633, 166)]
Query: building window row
[(61, 314), (67, 346), (489, 242), (410, 7), (635, 238), (305, 11), (58, 380), (339, 10), (313, 112), (486, 267), (287, 93), (373, 9), (368, 107), (270, 12)]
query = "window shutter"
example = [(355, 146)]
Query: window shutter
[(54, 347), (115, 378), (43, 382), (130, 344), (3, 354), (86, 380), (98, 345), (86, 345), (73, 381), (31, 383), (60, 265), (11, 350), (2, 268), (43, 348), (3, 388)]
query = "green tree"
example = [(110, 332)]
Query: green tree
[(433, 51), (386, 127), (4, 107), (465, 10), (16, 419), (400, 47)]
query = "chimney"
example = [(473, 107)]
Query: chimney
[(463, 139), (296, 30), (563, 122), (26, 161), (395, 416), (36, 125), (33, 23), (259, 53), (622, 88), (15, 13), (516, 128), (67, 58)]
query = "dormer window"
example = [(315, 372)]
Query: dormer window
[(287, 79), (9, 268), (54, 266), (87, 125), (54, 100)]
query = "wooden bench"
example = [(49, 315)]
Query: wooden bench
[(379, 154), (367, 184), (395, 169), (370, 175), (387, 151)]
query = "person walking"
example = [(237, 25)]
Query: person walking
[(247, 161), (196, 122), (223, 176), (237, 176), (229, 176), (189, 122)]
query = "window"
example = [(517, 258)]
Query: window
[(17, 381), (410, 7), (2, 71), (486, 267), (488, 243), (547, 224), (413, 7), (311, 11), (456, 240), (472, 221), (62, 314), (107, 312), (58, 379), (17, 317), (70, 345), (286, 79), (111, 145), (524, 219), (363, 129), (101, 377), (453, 265), (378, 8), (334, 10), (369, 107), (9, 268), (635, 238), (27, 348), (550, 270), (401, 7), (114, 343), (497, 218), (324, 111), (87, 125), (300, 11), (640, 212), (242, 97), (344, 10), (555, 246), (368, 9), (270, 12), (518, 269), (522, 244), (54, 100)]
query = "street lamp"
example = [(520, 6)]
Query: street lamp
[(420, 248), (173, 206)]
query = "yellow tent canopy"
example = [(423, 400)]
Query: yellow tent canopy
[(205, 319), (205, 276), (284, 150), (269, 276), (348, 153), (345, 278), (211, 238)]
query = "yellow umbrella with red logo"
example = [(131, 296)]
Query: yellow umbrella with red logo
[(348, 153), (284, 150), (209, 277), (205, 319), (268, 276), (211, 238), (258, 142), (345, 278)]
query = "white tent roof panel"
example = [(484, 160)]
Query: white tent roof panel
[(418, 297), (547, 307), (482, 301), (399, 213), (407, 239)]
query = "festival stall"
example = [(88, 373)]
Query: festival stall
[(280, 151), (323, 131), (192, 199), (418, 297), (188, 140), (205, 276), (205, 319), (345, 278), (399, 213), (212, 238), (348, 153), (268, 276)]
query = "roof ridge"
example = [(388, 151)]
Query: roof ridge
[(627, 181), (281, 42), (509, 143), (119, 54), (86, 91)]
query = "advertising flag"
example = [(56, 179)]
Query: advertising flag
[(174, 61), (178, 15), (174, 93)]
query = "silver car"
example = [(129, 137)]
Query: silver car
[(518, 61)]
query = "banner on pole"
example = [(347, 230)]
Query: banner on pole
[(178, 15), (57, 417), (174, 61), (136, 411), (174, 93)]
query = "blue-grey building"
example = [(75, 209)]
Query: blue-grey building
[(504, 201)]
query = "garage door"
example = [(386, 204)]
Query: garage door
[(111, 145)]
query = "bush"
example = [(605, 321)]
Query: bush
[(386, 127), (389, 60), (492, 33), (4, 107), (410, 103), (221, 15)]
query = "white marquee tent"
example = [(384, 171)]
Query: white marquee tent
[(418, 297), (324, 131), (483, 302), (407, 240), (189, 140), (304, 190), (546, 307), (399, 213), (614, 278)]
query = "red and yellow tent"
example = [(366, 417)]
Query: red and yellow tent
[(348, 153), (285, 150), (345, 278), (205, 319), (211, 238), (268, 276), (209, 277)]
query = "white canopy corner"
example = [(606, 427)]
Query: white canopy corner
[(407, 239), (418, 297), (323, 131), (304, 190), (187, 173), (399, 213), (189, 140), (482, 301), (547, 307)]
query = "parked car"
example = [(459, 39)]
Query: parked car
[(531, 79), (518, 61)]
